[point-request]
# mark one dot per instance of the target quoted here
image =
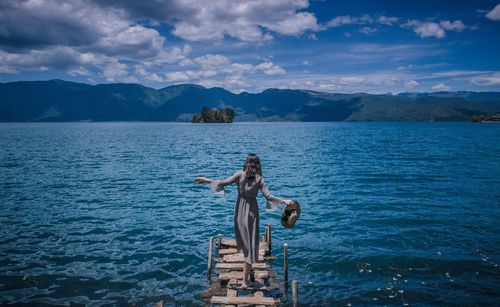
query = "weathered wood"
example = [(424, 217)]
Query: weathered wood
[(232, 243), (285, 261), (209, 264), (259, 294), (239, 266), (239, 275), (227, 251), (238, 257), (219, 242), (244, 300), (295, 292), (231, 293), (230, 265), (268, 235)]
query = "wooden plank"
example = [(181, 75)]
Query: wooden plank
[(295, 293), (285, 261), (231, 293), (232, 244), (227, 251), (259, 294), (219, 240), (239, 266), (238, 257), (239, 275), (209, 261), (244, 300)]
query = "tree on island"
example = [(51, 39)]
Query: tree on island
[(214, 116)]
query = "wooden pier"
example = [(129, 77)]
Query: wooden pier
[(266, 290)]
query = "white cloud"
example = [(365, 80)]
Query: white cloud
[(118, 72), (312, 36), (142, 72), (440, 87), (79, 71), (248, 21), (427, 29), (212, 61), (489, 79), (412, 84), (295, 24), (368, 30), (177, 76), (341, 20), (433, 29), (361, 20), (494, 14), (80, 38), (269, 68), (456, 25)]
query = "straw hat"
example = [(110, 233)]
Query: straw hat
[(290, 214)]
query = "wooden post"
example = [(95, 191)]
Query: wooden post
[(295, 292), (285, 262), (209, 265), (268, 235), (219, 242)]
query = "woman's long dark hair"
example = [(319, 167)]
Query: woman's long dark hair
[(252, 166)]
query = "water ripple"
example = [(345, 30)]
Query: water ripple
[(107, 213)]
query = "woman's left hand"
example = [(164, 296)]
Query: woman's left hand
[(202, 180), (288, 201)]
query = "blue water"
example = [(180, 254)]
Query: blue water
[(392, 213)]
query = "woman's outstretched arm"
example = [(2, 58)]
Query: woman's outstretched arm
[(229, 180), (218, 185), (272, 201)]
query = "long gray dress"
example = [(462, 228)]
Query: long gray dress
[(246, 211)]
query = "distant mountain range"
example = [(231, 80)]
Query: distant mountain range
[(58, 100)]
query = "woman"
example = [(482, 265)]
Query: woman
[(246, 211)]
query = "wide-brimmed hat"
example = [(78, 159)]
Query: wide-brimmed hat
[(290, 214)]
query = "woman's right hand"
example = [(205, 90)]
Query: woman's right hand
[(202, 180), (288, 201)]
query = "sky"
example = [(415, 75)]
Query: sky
[(330, 46)]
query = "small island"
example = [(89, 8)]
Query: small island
[(492, 118), (214, 116)]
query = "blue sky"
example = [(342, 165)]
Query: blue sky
[(331, 46)]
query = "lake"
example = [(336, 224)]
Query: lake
[(392, 213)]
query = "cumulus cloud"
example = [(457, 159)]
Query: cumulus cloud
[(494, 14), (199, 20), (269, 68), (116, 71), (70, 35), (218, 70), (433, 29), (361, 20), (421, 28), (368, 30), (488, 79), (440, 87), (202, 20), (412, 84)]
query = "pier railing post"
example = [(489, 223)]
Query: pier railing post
[(268, 236), (209, 264), (285, 262), (295, 292), (219, 242)]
